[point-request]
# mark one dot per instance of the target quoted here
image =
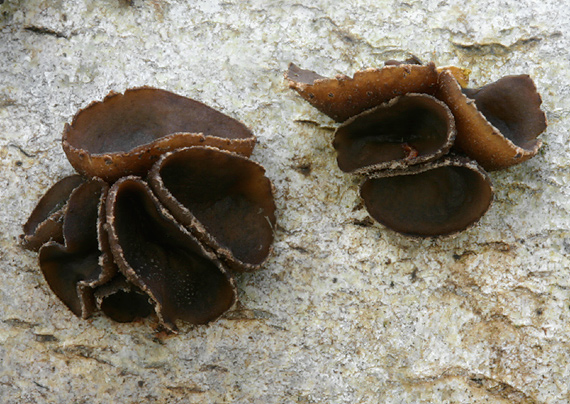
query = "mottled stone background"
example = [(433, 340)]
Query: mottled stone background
[(344, 311)]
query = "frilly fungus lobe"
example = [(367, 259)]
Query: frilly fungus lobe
[(400, 140), (406, 130), (74, 269), (161, 258), (223, 198), (126, 133), (344, 97), (109, 243), (46, 221), (498, 124), (433, 199)]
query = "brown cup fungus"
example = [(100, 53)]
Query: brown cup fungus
[(161, 258), (112, 243), (126, 133), (433, 199), (46, 221), (497, 124), (400, 138), (200, 185), (344, 97), (406, 130)]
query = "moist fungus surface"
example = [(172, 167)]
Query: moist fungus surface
[(46, 221), (401, 140), (162, 259), (434, 199), (343, 97), (498, 124), (200, 185), (126, 133), (108, 243), (406, 130)]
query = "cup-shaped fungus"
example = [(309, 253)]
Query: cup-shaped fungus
[(75, 268), (344, 97), (108, 243), (160, 257), (122, 301), (221, 197), (497, 124), (434, 199), (407, 130), (126, 133), (46, 221), (400, 140)]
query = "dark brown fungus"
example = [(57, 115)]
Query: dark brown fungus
[(126, 133), (344, 97), (161, 258), (223, 198), (122, 301), (46, 221), (438, 198), (406, 130), (75, 268), (116, 247), (400, 140), (498, 124)]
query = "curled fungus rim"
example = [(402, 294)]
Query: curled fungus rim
[(491, 150), (124, 134), (121, 290), (407, 130), (446, 196)]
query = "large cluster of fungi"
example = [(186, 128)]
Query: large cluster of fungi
[(424, 140), (166, 204)]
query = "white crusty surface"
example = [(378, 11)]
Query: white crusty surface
[(344, 311)]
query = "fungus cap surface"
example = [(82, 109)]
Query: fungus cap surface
[(160, 257), (343, 97), (223, 198), (73, 269), (498, 124), (435, 199), (407, 130), (126, 133), (46, 220)]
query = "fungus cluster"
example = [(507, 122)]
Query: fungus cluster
[(166, 206), (424, 140)]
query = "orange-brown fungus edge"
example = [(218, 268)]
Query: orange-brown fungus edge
[(498, 124), (343, 97), (126, 133)]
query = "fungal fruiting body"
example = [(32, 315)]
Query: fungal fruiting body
[(438, 198), (497, 124), (409, 129), (141, 125), (344, 97), (168, 206), (412, 130)]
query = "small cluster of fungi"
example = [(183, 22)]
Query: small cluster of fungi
[(166, 204), (424, 140)]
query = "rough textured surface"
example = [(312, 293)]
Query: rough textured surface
[(345, 310)]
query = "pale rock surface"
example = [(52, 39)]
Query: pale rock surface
[(344, 311)]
